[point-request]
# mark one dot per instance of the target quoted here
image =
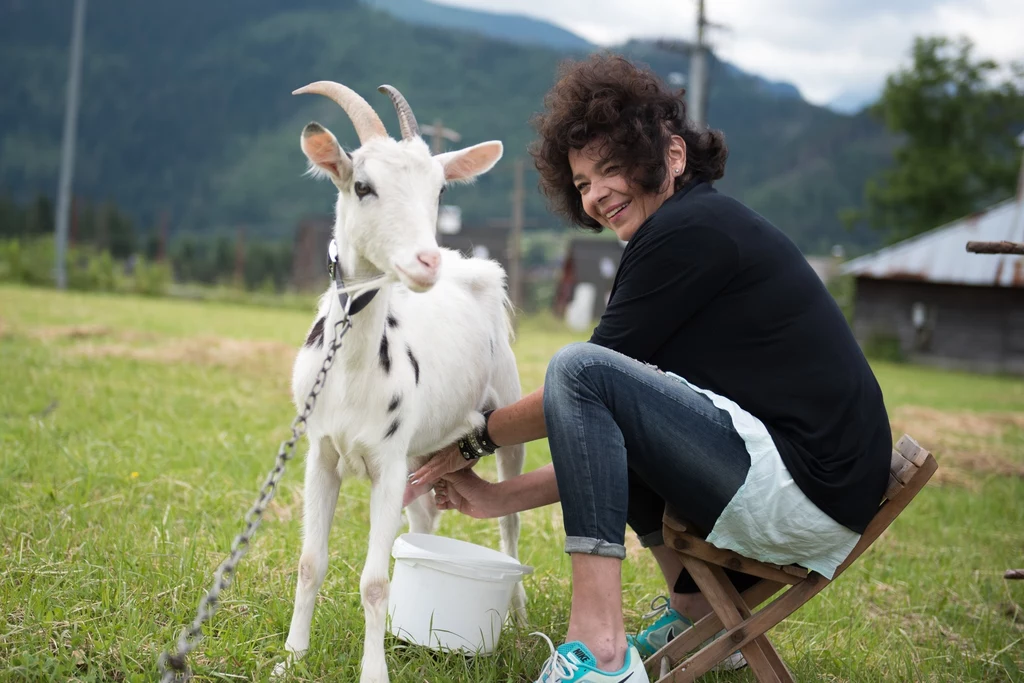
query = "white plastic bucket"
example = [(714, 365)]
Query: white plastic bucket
[(450, 595)]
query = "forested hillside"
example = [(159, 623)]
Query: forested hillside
[(186, 108)]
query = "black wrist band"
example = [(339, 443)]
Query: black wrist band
[(484, 436), (478, 443)]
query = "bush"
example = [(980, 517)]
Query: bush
[(32, 262), (152, 278), (884, 346), (842, 288), (91, 271)]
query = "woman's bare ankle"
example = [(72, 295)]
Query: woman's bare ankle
[(693, 606), (610, 651)]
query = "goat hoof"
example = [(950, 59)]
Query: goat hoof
[(280, 669), (519, 606), (374, 673), (519, 617)]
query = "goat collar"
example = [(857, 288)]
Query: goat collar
[(334, 268)]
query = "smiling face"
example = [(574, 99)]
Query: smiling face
[(607, 195)]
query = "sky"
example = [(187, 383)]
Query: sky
[(826, 48)]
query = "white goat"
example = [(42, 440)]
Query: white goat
[(423, 358)]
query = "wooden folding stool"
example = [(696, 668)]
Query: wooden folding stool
[(911, 468)]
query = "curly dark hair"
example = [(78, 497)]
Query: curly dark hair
[(608, 97)]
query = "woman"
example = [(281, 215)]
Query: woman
[(721, 380)]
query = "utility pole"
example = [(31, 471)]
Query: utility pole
[(699, 71), (515, 246), (438, 134), (67, 162), (697, 86)]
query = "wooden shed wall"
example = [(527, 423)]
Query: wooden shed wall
[(309, 254), (976, 328)]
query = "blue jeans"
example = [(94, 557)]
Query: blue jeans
[(625, 440)]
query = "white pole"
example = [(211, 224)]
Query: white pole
[(67, 162)]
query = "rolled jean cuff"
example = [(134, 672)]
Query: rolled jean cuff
[(651, 540), (594, 546)]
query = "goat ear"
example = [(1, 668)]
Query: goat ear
[(325, 154), (468, 163)]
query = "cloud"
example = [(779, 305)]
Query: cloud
[(824, 47)]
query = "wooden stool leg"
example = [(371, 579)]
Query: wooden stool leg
[(764, 619), (722, 603), (778, 666), (704, 628)]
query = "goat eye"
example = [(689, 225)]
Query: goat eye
[(441, 193), (362, 189)]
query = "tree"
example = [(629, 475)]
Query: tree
[(122, 235), (958, 118), (12, 218), (39, 217)]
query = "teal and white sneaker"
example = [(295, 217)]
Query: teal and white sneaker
[(574, 663), (669, 624)]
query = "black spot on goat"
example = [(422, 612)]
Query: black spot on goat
[(391, 430), (415, 364), (395, 402), (385, 354), (392, 320)]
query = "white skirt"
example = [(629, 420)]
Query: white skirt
[(770, 519)]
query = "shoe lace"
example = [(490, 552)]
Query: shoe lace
[(658, 605), (557, 668)]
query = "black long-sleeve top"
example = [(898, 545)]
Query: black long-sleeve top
[(710, 290)]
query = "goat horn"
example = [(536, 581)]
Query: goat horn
[(364, 119), (406, 119)]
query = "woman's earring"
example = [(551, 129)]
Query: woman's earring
[(677, 171)]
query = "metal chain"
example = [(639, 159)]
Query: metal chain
[(174, 667)]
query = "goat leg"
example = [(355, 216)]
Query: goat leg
[(388, 480), (510, 464), (321, 487)]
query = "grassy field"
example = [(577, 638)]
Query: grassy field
[(134, 433)]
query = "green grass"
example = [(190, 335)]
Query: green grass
[(135, 432)]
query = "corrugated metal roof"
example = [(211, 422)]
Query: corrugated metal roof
[(941, 255)]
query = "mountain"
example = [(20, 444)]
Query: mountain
[(855, 100), (186, 109), (514, 28), (777, 88)]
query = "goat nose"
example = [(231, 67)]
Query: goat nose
[(430, 258)]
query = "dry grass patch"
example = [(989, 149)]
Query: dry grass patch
[(965, 443), (273, 356), (100, 341), (72, 332)]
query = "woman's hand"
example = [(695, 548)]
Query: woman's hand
[(441, 463), (466, 492)]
